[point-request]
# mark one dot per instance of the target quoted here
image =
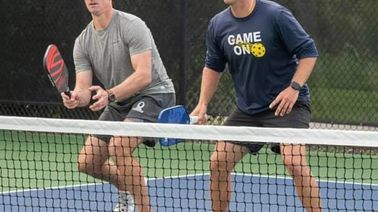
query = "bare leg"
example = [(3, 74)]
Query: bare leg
[(93, 160), (222, 162), (125, 174), (294, 158), (131, 177)]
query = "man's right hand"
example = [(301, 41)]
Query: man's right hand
[(70, 102)]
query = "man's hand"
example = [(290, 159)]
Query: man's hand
[(285, 101), (200, 112), (70, 102), (100, 98)]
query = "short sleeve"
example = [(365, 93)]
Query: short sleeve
[(138, 37), (81, 59), (214, 56)]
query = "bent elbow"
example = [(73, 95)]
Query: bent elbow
[(147, 79)]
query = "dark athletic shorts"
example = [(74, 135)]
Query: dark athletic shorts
[(142, 108), (299, 117)]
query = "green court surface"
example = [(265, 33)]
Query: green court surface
[(40, 160)]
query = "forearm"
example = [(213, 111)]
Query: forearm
[(139, 79), (84, 96), (131, 85), (82, 92), (209, 84), (304, 70)]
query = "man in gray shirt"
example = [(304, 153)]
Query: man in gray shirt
[(119, 50)]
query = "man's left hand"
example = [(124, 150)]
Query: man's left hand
[(100, 98)]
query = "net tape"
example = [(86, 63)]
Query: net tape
[(359, 138)]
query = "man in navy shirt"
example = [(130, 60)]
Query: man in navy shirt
[(270, 57)]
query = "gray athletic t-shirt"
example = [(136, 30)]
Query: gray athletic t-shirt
[(107, 53)]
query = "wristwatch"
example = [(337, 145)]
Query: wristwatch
[(296, 86), (111, 96)]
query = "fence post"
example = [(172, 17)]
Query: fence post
[(184, 56)]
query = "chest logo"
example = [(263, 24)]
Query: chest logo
[(247, 44)]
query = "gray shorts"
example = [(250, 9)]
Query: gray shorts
[(140, 108), (299, 117)]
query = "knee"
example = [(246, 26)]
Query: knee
[(86, 167)]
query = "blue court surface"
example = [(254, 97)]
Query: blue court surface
[(191, 193)]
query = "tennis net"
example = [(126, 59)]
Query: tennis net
[(38, 159)]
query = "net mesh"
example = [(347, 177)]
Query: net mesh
[(39, 171)]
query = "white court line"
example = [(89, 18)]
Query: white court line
[(268, 176), (185, 176), (51, 188)]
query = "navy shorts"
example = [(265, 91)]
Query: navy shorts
[(299, 117), (142, 108)]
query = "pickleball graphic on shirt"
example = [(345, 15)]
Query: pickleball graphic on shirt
[(257, 49)]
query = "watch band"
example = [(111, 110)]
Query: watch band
[(111, 96), (296, 86)]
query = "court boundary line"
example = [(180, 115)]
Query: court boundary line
[(266, 176), (52, 188), (281, 177)]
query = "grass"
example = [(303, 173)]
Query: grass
[(344, 106), (344, 88)]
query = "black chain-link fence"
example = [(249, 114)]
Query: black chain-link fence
[(344, 85)]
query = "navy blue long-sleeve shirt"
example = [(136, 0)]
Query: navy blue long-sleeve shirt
[(261, 51)]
